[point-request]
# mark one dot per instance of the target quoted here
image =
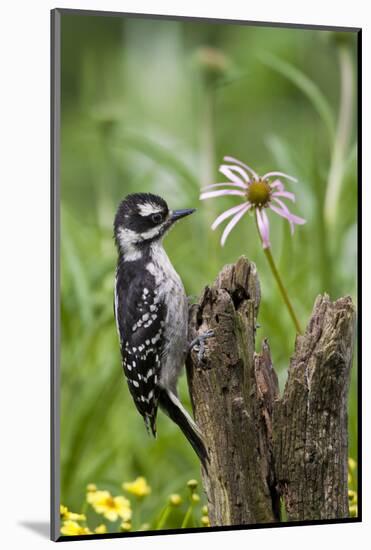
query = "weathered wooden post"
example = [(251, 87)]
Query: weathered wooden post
[(263, 447)]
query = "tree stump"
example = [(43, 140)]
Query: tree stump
[(262, 446)]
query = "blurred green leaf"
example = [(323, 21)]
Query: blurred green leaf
[(306, 85)]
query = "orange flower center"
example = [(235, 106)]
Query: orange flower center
[(259, 193), (110, 503)]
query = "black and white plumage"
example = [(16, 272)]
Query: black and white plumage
[(151, 312)]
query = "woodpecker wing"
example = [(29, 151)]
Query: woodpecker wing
[(140, 317)]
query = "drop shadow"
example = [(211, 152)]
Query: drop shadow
[(42, 528)]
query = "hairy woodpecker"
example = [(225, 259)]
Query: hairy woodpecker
[(151, 312)]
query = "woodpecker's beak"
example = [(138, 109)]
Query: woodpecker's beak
[(177, 214)]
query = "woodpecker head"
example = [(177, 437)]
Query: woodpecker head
[(141, 219)]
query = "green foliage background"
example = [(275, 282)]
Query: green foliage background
[(146, 108)]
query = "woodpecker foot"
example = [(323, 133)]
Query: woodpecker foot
[(198, 344), (256, 327)]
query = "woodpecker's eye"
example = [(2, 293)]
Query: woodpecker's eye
[(157, 218)]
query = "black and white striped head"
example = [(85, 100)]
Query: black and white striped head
[(141, 219)]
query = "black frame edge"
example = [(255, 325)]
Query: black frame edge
[(192, 530)]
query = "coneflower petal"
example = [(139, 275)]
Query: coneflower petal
[(211, 194), (281, 174), (232, 159), (228, 171), (278, 184), (263, 225), (233, 222), (284, 207), (285, 213), (227, 183), (285, 194), (227, 214)]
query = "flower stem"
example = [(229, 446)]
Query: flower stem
[(272, 265), (163, 517), (187, 517), (285, 296)]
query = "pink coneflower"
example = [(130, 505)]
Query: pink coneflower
[(258, 193)]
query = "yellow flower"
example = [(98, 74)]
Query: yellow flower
[(192, 484), (205, 521), (111, 507), (139, 487), (125, 526), (353, 510), (91, 487), (71, 528), (76, 517), (352, 495), (352, 464), (101, 529), (195, 497), (204, 510), (66, 514), (175, 500), (63, 510)]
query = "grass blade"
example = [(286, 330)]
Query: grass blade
[(306, 85)]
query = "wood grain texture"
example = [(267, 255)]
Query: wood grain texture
[(310, 421), (262, 446), (228, 404)]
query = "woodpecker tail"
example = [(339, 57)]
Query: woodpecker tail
[(171, 405), (150, 422)]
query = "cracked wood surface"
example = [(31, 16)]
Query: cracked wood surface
[(262, 446), (228, 405), (310, 421)]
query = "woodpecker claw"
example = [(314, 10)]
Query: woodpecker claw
[(198, 344)]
